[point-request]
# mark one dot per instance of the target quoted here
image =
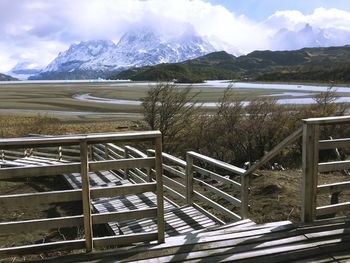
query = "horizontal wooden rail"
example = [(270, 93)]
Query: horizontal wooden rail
[(333, 166), (221, 164), (334, 143), (122, 164), (333, 188), (32, 142), (173, 171), (328, 120), (101, 242), (223, 210), (35, 170), (40, 198), (40, 224), (174, 184), (217, 177), (124, 215), (171, 158), (123, 190), (219, 192), (135, 151), (330, 209), (28, 249)]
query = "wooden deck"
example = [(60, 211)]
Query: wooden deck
[(178, 220), (244, 241)]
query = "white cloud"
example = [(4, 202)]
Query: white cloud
[(37, 29)]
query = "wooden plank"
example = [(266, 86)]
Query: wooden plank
[(173, 171), (310, 171), (245, 195), (86, 196), (221, 164), (32, 142), (216, 206), (40, 224), (174, 193), (171, 158), (122, 164), (333, 166), (102, 218), (333, 188), (189, 179), (231, 199), (25, 250), (35, 171), (160, 191), (40, 198), (328, 120), (217, 177), (101, 242), (330, 209), (275, 151), (116, 148), (113, 191), (135, 151), (172, 183), (334, 143)]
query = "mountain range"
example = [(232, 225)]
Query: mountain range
[(98, 58), (258, 65)]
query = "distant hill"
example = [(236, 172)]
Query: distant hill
[(4, 77), (255, 65)]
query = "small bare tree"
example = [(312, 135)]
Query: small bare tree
[(170, 109)]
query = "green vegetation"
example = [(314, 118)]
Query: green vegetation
[(311, 64)]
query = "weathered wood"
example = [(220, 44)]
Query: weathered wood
[(334, 143), (330, 209), (101, 242), (102, 218), (333, 166), (174, 193), (216, 206), (333, 188), (170, 158), (231, 199), (22, 250), (217, 177), (245, 195), (76, 139), (160, 191), (122, 164), (189, 179), (33, 199), (275, 151), (173, 171), (86, 195), (134, 151), (174, 184), (40, 224), (221, 164), (328, 120), (310, 171), (36, 171), (113, 191)]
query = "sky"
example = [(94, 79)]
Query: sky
[(35, 31)]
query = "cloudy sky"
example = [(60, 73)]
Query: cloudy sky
[(35, 31)]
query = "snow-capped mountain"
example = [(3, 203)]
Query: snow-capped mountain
[(309, 36), (97, 58), (22, 70)]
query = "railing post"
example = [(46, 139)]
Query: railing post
[(106, 151), (189, 179), (160, 194), (244, 195), (59, 150), (148, 169), (126, 156), (86, 195), (310, 171)]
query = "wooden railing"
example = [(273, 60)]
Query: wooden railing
[(312, 167), (86, 193)]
